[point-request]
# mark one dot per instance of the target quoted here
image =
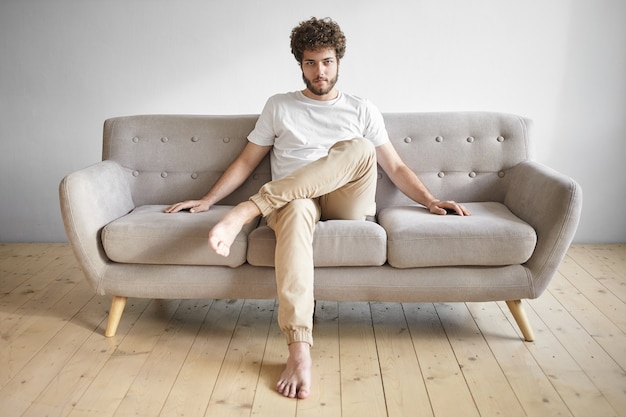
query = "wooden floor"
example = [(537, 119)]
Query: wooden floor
[(222, 357)]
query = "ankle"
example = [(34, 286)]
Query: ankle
[(300, 350), (248, 211)]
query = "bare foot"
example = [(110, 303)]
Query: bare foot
[(223, 234), (295, 380)]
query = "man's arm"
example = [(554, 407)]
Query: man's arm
[(233, 177), (408, 182)]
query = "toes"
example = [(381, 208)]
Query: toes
[(286, 389), (303, 393), (280, 386), (223, 249)]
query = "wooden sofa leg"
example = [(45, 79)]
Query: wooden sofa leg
[(519, 314), (115, 315)]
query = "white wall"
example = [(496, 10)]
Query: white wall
[(67, 65)]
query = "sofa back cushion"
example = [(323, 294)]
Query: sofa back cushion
[(463, 156), (171, 158)]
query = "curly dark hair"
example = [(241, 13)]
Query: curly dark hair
[(315, 34)]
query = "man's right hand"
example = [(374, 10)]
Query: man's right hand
[(194, 206)]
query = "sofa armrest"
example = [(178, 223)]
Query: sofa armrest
[(90, 199), (551, 203)]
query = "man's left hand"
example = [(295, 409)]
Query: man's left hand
[(445, 207)]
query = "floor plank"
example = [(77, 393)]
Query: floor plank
[(586, 287), (362, 392), (29, 327), (572, 383), (236, 385), (196, 380), (325, 399), (402, 377), (266, 401), (606, 263), (39, 371), (223, 357), (490, 389), (154, 381), (72, 381), (592, 359), (531, 385), (110, 386), (595, 323), (442, 373)]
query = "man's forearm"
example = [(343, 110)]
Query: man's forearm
[(232, 179), (409, 183), (237, 172)]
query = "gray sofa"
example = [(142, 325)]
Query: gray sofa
[(524, 217)]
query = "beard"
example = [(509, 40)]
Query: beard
[(320, 91)]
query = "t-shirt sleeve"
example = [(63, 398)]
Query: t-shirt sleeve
[(375, 129), (263, 133)]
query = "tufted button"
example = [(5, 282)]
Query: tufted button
[(135, 173), (408, 140), (164, 139), (226, 140), (441, 174), (255, 176), (135, 139), (380, 176), (500, 139), (163, 174), (439, 139), (194, 139), (470, 139), (501, 174), (472, 174), (194, 176)]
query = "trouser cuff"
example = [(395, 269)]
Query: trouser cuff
[(299, 335), (262, 204)]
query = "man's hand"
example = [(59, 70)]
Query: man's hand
[(194, 206), (445, 207)]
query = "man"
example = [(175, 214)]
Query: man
[(325, 145)]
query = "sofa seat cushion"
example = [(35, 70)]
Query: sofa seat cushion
[(147, 235), (335, 243), (492, 236)]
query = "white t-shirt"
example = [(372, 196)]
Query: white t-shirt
[(302, 130)]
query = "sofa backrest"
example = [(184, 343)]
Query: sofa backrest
[(171, 158), (459, 155), (462, 156)]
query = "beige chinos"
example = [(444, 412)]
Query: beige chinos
[(341, 185)]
